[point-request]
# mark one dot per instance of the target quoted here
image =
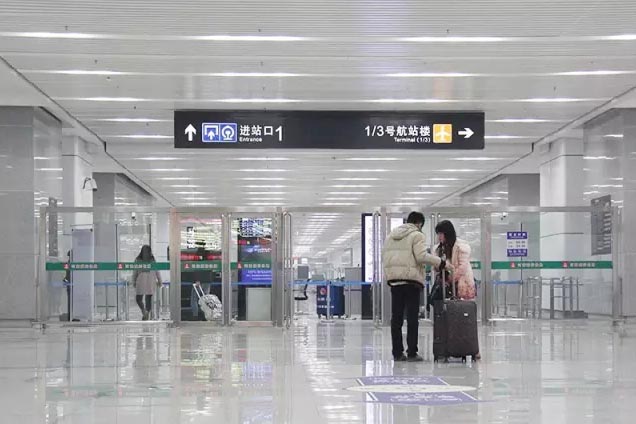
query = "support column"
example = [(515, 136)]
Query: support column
[(628, 257), (77, 164), (564, 236), (17, 226)]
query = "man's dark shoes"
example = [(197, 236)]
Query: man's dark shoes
[(401, 358)]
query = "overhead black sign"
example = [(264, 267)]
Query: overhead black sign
[(602, 225), (328, 130)]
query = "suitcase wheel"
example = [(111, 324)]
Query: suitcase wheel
[(463, 359)]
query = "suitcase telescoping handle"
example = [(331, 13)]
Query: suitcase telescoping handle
[(198, 289), (443, 272), (454, 287)]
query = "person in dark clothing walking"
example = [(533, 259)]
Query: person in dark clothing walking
[(404, 258)]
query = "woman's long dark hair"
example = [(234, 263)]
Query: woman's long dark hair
[(450, 236), (146, 254)]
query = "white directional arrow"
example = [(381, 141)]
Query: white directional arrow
[(467, 133), (191, 131)]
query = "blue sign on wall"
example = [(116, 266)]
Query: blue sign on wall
[(517, 246)]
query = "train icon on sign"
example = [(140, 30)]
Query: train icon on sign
[(214, 132)]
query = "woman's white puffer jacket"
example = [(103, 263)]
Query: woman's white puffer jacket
[(405, 255)]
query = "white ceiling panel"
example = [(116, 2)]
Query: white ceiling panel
[(121, 67)]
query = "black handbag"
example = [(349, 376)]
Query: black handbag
[(436, 291)]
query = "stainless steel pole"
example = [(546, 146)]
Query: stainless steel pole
[(486, 267), (175, 269), (617, 271), (226, 271)]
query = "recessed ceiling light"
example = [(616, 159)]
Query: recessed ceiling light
[(592, 73), (524, 120), (410, 101), (621, 37), (141, 136), (131, 120), (481, 159), (190, 192), (49, 169), (430, 75), (458, 170), (157, 158), (76, 35), (507, 137), (258, 193), (262, 170), (614, 135), (175, 178), (262, 179), (342, 198), (363, 170), (103, 72), (348, 192), (274, 38), (555, 100), (372, 159), (455, 39), (264, 186), (356, 179), (105, 99), (257, 100), (254, 74), (196, 198), (163, 170), (260, 158), (421, 192), (481, 203), (352, 186), (143, 37), (265, 198)]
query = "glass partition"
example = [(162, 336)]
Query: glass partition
[(201, 255), (551, 265), (251, 250), (90, 259)]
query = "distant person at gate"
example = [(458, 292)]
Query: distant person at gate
[(145, 282), (404, 258)]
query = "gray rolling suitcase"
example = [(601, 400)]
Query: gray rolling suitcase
[(454, 327)]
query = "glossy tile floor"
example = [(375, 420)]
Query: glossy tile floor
[(532, 372)]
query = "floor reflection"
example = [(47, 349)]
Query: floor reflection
[(532, 372)]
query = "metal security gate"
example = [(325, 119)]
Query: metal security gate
[(560, 275)]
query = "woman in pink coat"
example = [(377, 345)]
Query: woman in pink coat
[(457, 252)]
